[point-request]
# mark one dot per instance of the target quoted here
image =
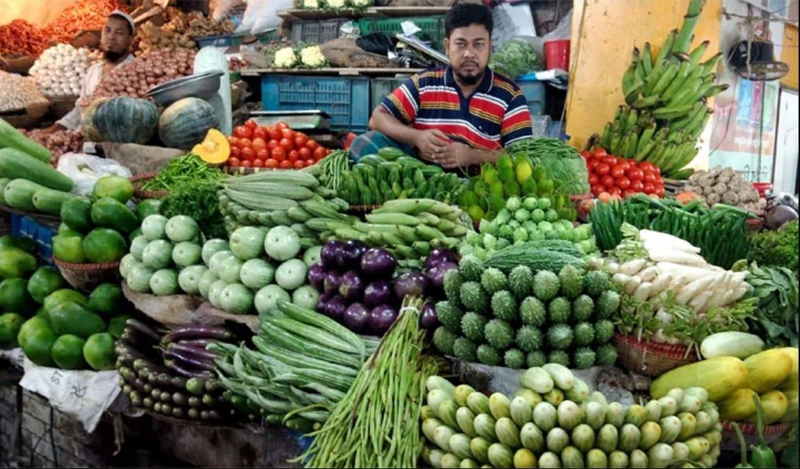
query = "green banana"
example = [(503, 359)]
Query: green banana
[(677, 82), (647, 59), (645, 119), (633, 94), (709, 65), (649, 101), (615, 126), (686, 93), (628, 78), (676, 137), (654, 76), (606, 138), (666, 48), (644, 153), (630, 149), (632, 117), (616, 138), (623, 145), (645, 137), (698, 53), (666, 78), (673, 112), (695, 133), (715, 90), (698, 94), (685, 122)]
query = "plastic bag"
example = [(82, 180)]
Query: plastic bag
[(252, 14), (268, 18), (516, 57), (85, 170), (562, 31), (223, 8)]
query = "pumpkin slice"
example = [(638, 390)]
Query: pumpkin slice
[(214, 149)]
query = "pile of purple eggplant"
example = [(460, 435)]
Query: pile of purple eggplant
[(360, 289)]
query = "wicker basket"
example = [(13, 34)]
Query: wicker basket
[(651, 358), (139, 194), (87, 276), (730, 442)]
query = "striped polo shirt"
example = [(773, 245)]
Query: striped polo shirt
[(495, 116)]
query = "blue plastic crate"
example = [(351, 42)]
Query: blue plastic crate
[(345, 99), (41, 234), (534, 92)]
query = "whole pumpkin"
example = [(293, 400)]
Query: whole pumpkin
[(87, 121), (126, 120), (186, 122)]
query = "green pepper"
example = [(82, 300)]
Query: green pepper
[(743, 445), (761, 455)]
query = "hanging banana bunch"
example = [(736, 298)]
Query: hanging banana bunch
[(666, 99)]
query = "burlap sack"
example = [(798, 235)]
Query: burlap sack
[(344, 52), (139, 158)]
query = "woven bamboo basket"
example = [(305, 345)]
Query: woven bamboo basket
[(730, 442), (87, 276), (139, 194), (651, 358)]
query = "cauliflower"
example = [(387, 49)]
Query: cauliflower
[(311, 4), (361, 3), (312, 57), (285, 58), (336, 4)]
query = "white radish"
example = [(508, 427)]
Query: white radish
[(632, 285), (691, 273), (642, 292), (715, 300), (673, 255), (659, 336), (677, 282), (649, 273), (663, 316), (660, 283), (689, 291), (632, 267), (621, 279), (700, 300), (612, 267), (738, 293), (672, 340), (667, 240)]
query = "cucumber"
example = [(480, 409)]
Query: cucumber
[(50, 201), (12, 138), (18, 194), (16, 164)]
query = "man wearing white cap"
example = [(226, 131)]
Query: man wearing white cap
[(115, 42)]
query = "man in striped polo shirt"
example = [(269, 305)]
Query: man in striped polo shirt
[(456, 116)]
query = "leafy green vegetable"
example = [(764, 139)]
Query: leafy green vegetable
[(776, 318), (776, 248), (514, 58), (197, 200), (562, 163), (188, 169)]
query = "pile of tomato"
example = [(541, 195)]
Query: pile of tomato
[(621, 177), (254, 146)]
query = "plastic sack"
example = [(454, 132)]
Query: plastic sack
[(224, 7), (562, 31), (268, 18), (516, 57), (252, 14), (85, 170)]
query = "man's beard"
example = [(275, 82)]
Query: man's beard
[(470, 80), (112, 56)]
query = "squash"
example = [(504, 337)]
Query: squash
[(719, 376), (126, 120), (186, 122), (90, 131), (768, 369), (215, 149), (791, 380), (731, 344), (738, 405), (773, 407), (792, 409)]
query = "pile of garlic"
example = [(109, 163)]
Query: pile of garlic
[(60, 69), (20, 93)]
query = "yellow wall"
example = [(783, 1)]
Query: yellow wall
[(604, 33), (789, 55)]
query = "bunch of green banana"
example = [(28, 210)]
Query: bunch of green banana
[(666, 101)]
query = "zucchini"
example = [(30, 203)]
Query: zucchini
[(10, 137), (18, 194), (50, 201), (16, 164)]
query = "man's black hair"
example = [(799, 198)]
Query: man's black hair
[(465, 14)]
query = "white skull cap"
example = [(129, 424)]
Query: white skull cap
[(126, 17)]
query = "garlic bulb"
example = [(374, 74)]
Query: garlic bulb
[(60, 69)]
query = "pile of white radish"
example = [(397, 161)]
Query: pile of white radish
[(60, 69), (674, 265)]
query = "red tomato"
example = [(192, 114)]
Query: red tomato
[(251, 124), (657, 170), (287, 133), (245, 143), (281, 125), (623, 182), (635, 174), (247, 163), (602, 169), (625, 164), (243, 132), (649, 188), (649, 176), (647, 166), (593, 179), (271, 163), (294, 155), (660, 191), (299, 164), (312, 145), (305, 153), (274, 133), (609, 160), (260, 132), (258, 163), (598, 189), (586, 154), (627, 193), (262, 154), (278, 153), (300, 139), (615, 191), (617, 171), (248, 154), (287, 144), (637, 186), (233, 161), (319, 153), (285, 164), (309, 162), (600, 152), (272, 144), (592, 165), (235, 152), (607, 181), (259, 144), (604, 197), (233, 141)]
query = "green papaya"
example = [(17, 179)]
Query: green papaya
[(77, 214), (69, 249), (14, 296), (72, 318), (99, 351), (37, 341), (62, 296), (15, 262), (67, 352), (148, 207), (43, 282), (106, 299), (20, 242), (111, 213), (10, 325)]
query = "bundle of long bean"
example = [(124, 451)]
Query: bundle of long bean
[(329, 171), (373, 426)]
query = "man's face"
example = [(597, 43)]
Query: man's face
[(469, 49), (116, 38)]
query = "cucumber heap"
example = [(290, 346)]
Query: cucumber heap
[(527, 219), (510, 316), (667, 101), (553, 421)]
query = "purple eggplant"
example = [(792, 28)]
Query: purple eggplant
[(378, 262), (322, 303), (336, 308), (438, 256), (349, 255), (428, 319), (198, 332), (329, 252), (377, 293), (333, 279), (356, 317), (411, 284), (381, 318), (352, 286), (316, 275), (436, 274)]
